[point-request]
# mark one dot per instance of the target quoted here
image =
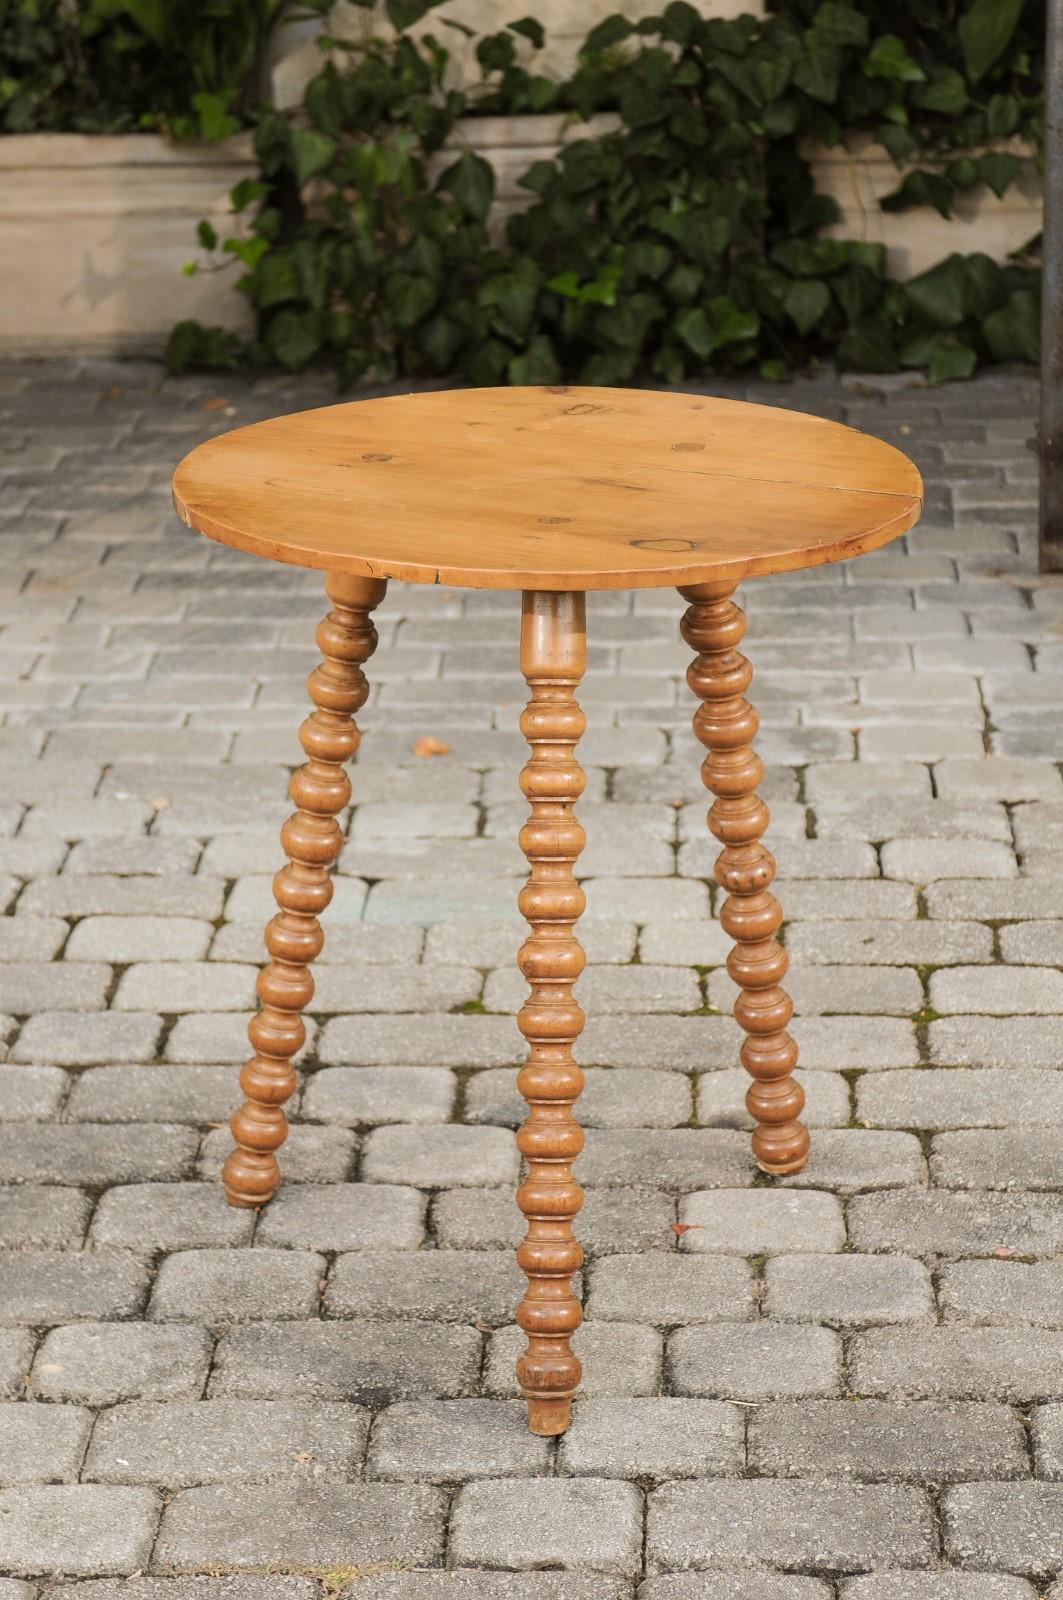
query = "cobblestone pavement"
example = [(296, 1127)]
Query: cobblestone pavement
[(849, 1384)]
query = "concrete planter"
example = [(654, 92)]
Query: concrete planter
[(96, 227), (95, 230)]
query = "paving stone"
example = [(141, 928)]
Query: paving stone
[(311, 1154), (16, 1355), (880, 1440), (327, 1525), (1022, 990), (936, 1586), (176, 986), (230, 1587), (955, 1224), (751, 1362), (608, 989), (767, 1524), (104, 1363), (653, 1438), (1014, 1525), (374, 1363), (40, 1443), (84, 1039), (924, 860), (379, 988), (94, 1154), (492, 944), (447, 1285), (818, 989), (848, 1291), (159, 1094), (670, 1289), (699, 1586), (947, 1097), (37, 1215), (1005, 1293), (221, 1286), (860, 900), (610, 1220), (84, 1528), (435, 1041), (168, 1216), (579, 1524), (886, 818), (31, 938), (347, 1216), (101, 894), (183, 1443), (27, 986), (662, 1044), (1048, 1441), (721, 1099), (998, 779), (127, 939), (28, 1094), (1039, 943), (1027, 899), (478, 1585), (700, 943), (848, 1159), (889, 943), (618, 1358), (1014, 1364), (452, 1441), (440, 1156), (836, 1044), (43, 1287), (620, 1097), (760, 1221), (152, 856)]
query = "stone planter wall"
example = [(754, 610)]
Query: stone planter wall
[(96, 228)]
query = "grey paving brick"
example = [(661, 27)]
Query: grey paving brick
[(610, 1220), (85, 1528), (848, 1159), (84, 1039), (860, 900), (750, 1362), (448, 1285), (136, 938), (848, 1290), (618, 1358), (329, 1525), (435, 1041), (1027, 899), (955, 1224), (703, 1586), (480, 1585), (579, 1524), (176, 986), (344, 1216), (39, 1215), (168, 1216), (1005, 1293), (819, 989), (490, 944), (760, 1221), (1039, 943), (452, 1441), (701, 943), (220, 1286), (41, 1443), (1013, 1525), (999, 779), (607, 989), (1048, 1441), (670, 1289), (653, 1438), (975, 1096), (161, 1094), (27, 986), (440, 1156), (183, 1443), (888, 943), (152, 856), (94, 1153), (16, 1355), (30, 1093), (1023, 990), (999, 1158), (43, 1287), (311, 1154), (619, 1098), (101, 894), (395, 989), (1015, 1364), (374, 1363), (721, 1099), (936, 1586), (881, 1440), (661, 1043), (766, 1524), (31, 938), (229, 1587), (104, 1363), (836, 1044)]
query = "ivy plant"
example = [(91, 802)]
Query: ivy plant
[(684, 239)]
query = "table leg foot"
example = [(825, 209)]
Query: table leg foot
[(303, 888), (553, 656), (726, 723)]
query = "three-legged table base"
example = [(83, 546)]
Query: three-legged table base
[(553, 658)]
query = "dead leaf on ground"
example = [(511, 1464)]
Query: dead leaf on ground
[(679, 1228), (427, 745), (217, 402)]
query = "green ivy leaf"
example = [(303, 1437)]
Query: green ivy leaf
[(276, 280), (1013, 333), (471, 180), (311, 153), (729, 322), (837, 24), (868, 347), (693, 327), (294, 338), (946, 92), (247, 193), (193, 345), (944, 356), (921, 189), (888, 58), (611, 30), (408, 298), (208, 238), (1002, 115), (529, 28), (998, 169), (806, 302), (537, 364), (441, 339), (985, 31), (404, 13)]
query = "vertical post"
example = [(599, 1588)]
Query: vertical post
[(553, 652), (1051, 439)]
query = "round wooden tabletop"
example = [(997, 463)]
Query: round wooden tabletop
[(549, 488)]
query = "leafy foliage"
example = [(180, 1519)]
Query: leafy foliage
[(686, 239)]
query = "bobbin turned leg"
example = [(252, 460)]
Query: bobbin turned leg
[(311, 840), (553, 654), (725, 723)]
